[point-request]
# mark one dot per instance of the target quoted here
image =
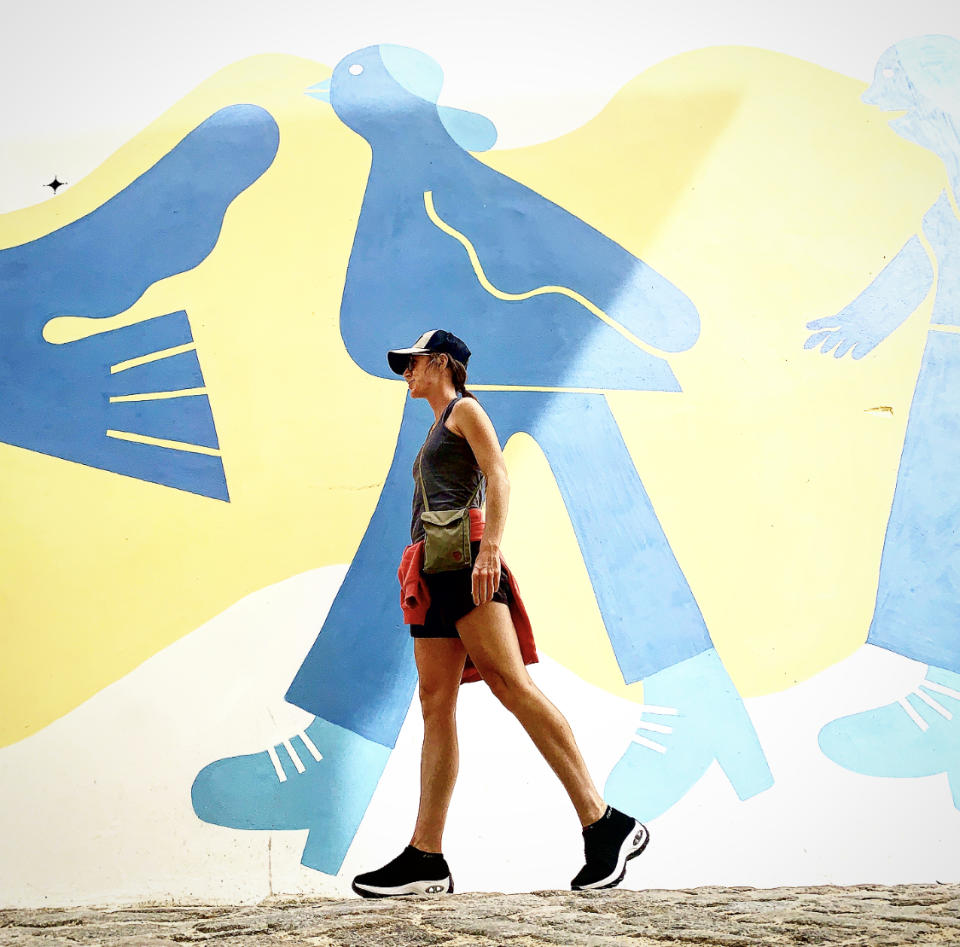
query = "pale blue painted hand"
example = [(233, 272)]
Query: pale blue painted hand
[(880, 309)]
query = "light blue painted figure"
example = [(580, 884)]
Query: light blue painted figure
[(409, 271), (917, 612), (56, 398)]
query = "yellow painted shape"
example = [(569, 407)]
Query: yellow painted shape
[(759, 184), (553, 578), (484, 281), (764, 189), (63, 329)]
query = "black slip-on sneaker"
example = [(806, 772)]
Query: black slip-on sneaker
[(411, 872), (608, 844)]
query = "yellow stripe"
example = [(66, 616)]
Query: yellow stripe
[(935, 327), (572, 391), (160, 442), (539, 291), (158, 395), (152, 357)]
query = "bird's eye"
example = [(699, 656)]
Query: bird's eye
[(355, 69), (888, 73)]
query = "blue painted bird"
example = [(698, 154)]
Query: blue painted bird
[(429, 206)]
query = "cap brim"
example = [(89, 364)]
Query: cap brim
[(398, 358)]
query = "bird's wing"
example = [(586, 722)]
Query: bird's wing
[(522, 243)]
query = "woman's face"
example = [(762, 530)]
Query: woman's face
[(421, 375)]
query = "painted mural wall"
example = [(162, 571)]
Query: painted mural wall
[(716, 327)]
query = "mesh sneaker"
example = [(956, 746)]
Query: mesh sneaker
[(608, 844), (411, 872)]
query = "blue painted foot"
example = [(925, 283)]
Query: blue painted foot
[(692, 716), (320, 779), (917, 735)]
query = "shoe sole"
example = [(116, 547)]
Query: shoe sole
[(634, 844), (433, 887)]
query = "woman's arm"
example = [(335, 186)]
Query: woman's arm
[(469, 420)]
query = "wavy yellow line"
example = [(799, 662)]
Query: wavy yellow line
[(474, 258)]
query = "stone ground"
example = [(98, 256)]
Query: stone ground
[(867, 916)]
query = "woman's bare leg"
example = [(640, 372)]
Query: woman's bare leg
[(440, 665), (489, 636)]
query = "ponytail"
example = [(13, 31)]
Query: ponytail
[(458, 375)]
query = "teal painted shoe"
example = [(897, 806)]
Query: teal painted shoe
[(917, 735), (692, 715), (321, 779)]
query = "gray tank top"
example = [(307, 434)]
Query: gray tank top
[(450, 473)]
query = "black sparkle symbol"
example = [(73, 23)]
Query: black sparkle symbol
[(55, 183)]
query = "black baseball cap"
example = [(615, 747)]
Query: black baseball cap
[(436, 340)]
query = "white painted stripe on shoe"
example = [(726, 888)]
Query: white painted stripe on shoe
[(649, 744), (635, 840), (436, 886), (272, 753), (913, 715), (655, 727), (941, 689), (288, 746), (653, 709), (936, 705), (310, 745)]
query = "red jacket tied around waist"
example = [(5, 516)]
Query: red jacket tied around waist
[(415, 597)]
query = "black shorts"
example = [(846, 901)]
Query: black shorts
[(451, 597)]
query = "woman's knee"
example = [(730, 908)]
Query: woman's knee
[(438, 701), (513, 691)]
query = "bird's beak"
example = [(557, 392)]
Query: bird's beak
[(872, 96), (321, 91)]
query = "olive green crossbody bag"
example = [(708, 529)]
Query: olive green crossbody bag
[(446, 543)]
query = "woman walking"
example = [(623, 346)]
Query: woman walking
[(469, 621)]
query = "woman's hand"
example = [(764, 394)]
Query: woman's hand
[(486, 575)]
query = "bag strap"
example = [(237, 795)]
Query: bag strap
[(423, 492), (473, 495)]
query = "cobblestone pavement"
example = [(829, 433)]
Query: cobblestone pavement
[(868, 916)]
